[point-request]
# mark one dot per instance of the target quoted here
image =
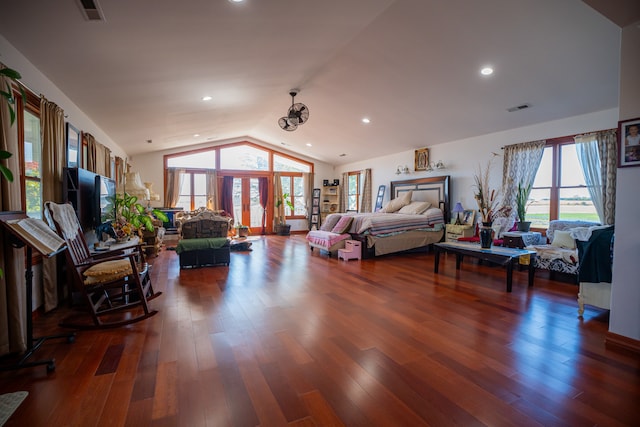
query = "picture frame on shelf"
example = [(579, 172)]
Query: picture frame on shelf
[(316, 192), (468, 217), (332, 191), (421, 159), (629, 143), (73, 146)]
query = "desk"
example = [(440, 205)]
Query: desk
[(496, 254)]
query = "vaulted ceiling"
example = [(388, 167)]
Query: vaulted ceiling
[(410, 66)]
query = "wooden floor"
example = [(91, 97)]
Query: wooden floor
[(285, 336)]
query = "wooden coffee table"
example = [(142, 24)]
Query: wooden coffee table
[(496, 254)]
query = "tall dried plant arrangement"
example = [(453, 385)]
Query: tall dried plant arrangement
[(486, 197)]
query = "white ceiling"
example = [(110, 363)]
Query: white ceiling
[(412, 66)]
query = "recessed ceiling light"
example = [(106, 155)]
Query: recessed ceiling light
[(486, 71), (206, 98), (366, 120), (309, 144), (236, 1), (195, 135)]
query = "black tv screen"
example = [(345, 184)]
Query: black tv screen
[(105, 193)]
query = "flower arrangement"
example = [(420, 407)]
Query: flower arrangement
[(486, 197)]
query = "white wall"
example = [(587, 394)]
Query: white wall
[(462, 158), (625, 294), (41, 85)]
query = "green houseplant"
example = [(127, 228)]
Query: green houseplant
[(130, 217), (522, 197), (242, 230), (282, 228)]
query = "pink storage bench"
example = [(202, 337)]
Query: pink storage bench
[(326, 240)]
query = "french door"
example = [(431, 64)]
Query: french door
[(246, 202)]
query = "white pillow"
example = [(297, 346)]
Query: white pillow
[(414, 208), (397, 203), (563, 239)]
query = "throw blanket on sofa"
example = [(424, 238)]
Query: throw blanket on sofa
[(186, 245)]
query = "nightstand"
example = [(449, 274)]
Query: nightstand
[(455, 231), (520, 239)]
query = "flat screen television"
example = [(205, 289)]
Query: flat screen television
[(105, 191)]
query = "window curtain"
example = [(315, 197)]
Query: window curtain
[(597, 154), (521, 162), (263, 190), (212, 190), (119, 172), (307, 192), (278, 211), (174, 182), (52, 168), (226, 198), (12, 284), (92, 160), (344, 193), (365, 193)]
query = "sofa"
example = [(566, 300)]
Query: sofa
[(203, 238), (559, 254)]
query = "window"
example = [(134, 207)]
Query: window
[(287, 164), (293, 186), (353, 191), (198, 160), (244, 157), (559, 190)]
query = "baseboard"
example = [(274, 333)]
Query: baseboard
[(620, 342)]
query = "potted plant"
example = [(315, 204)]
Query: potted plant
[(130, 217), (282, 228), (242, 230), (522, 196)]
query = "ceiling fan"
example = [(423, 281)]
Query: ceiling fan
[(297, 115)]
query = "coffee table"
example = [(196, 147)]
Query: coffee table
[(496, 254)]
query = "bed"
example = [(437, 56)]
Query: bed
[(385, 233)]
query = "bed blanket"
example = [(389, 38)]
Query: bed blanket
[(387, 223)]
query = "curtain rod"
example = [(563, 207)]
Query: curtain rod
[(561, 137)]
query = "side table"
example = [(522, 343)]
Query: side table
[(521, 239), (454, 231)]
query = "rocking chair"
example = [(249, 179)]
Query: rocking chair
[(109, 282)]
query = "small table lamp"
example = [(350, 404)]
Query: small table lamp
[(456, 210)]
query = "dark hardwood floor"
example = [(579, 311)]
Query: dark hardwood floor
[(285, 336)]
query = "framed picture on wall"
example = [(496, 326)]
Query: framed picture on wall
[(629, 143), (422, 159), (73, 146)]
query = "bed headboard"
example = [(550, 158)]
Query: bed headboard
[(433, 189)]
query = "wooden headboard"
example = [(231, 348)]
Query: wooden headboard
[(433, 189)]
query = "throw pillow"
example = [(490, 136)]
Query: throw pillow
[(563, 239), (343, 225), (330, 222), (414, 208), (397, 203)]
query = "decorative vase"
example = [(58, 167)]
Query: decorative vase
[(486, 235), (524, 226)]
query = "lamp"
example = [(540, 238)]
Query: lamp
[(456, 210), (401, 169), (439, 165)]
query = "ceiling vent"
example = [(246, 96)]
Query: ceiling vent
[(518, 108), (91, 10)]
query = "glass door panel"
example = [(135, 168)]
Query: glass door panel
[(246, 203)]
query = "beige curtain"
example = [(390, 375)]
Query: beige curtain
[(521, 162), (365, 204), (119, 176), (307, 191), (92, 161), (12, 284), (213, 201), (174, 181), (52, 168), (278, 211), (344, 193)]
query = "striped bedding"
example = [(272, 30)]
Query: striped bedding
[(378, 224)]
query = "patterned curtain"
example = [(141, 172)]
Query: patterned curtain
[(343, 204), (12, 284), (174, 182), (521, 162), (365, 195), (52, 168), (597, 154)]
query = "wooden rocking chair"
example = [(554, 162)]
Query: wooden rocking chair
[(109, 282)]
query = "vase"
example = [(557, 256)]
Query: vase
[(486, 235)]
